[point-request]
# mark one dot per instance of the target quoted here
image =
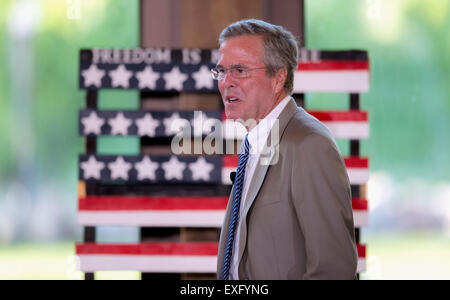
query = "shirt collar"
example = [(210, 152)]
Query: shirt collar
[(258, 135)]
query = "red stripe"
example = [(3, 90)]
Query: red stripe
[(129, 203), (356, 162), (334, 65), (361, 250), (230, 161), (198, 248), (352, 115), (110, 203), (349, 116), (359, 204), (350, 162)]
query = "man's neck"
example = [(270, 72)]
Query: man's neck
[(280, 97)]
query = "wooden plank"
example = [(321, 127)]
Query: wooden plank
[(158, 124), (215, 16), (169, 71), (287, 14), (160, 257), (188, 169), (81, 189), (171, 211), (160, 23)]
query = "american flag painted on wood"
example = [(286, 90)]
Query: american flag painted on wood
[(213, 169), (342, 124), (345, 124), (163, 257), (332, 71), (188, 70), (169, 211), (154, 69), (114, 181)]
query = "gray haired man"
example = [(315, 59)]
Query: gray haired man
[(292, 219)]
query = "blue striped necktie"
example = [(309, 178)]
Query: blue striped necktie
[(235, 206)]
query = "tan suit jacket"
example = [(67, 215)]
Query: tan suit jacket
[(297, 218)]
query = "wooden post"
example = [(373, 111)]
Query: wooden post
[(89, 233), (290, 15), (355, 151)]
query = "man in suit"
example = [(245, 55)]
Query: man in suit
[(289, 215)]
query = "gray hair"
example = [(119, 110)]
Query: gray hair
[(280, 46)]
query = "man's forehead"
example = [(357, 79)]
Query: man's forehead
[(241, 49), (246, 41)]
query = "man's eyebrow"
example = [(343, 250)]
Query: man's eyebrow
[(232, 66), (237, 66)]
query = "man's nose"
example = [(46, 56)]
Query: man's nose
[(228, 80)]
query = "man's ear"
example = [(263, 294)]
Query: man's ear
[(280, 77)]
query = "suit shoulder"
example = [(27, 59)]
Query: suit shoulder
[(303, 127)]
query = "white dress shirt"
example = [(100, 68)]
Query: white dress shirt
[(257, 138)]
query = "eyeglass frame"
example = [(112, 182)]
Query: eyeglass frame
[(231, 69)]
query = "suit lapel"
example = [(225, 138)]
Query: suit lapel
[(261, 170)]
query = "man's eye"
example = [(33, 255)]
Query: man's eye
[(240, 70), (221, 70)]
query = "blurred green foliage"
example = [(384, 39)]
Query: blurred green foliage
[(56, 98), (409, 99)]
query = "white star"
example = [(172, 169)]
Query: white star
[(174, 79), (174, 124), (201, 169), (119, 168), (203, 78), (173, 169), (93, 76), (146, 169), (147, 125), (147, 78), (121, 77), (119, 124), (92, 124), (92, 168)]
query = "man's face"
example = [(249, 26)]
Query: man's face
[(256, 94)]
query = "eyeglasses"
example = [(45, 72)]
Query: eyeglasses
[(219, 73)]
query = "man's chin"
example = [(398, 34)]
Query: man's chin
[(232, 115)]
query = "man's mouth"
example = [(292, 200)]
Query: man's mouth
[(232, 99)]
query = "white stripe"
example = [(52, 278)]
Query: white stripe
[(348, 130), (361, 265), (331, 81), (361, 218), (358, 175), (339, 129), (161, 218), (157, 263), (148, 263)]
